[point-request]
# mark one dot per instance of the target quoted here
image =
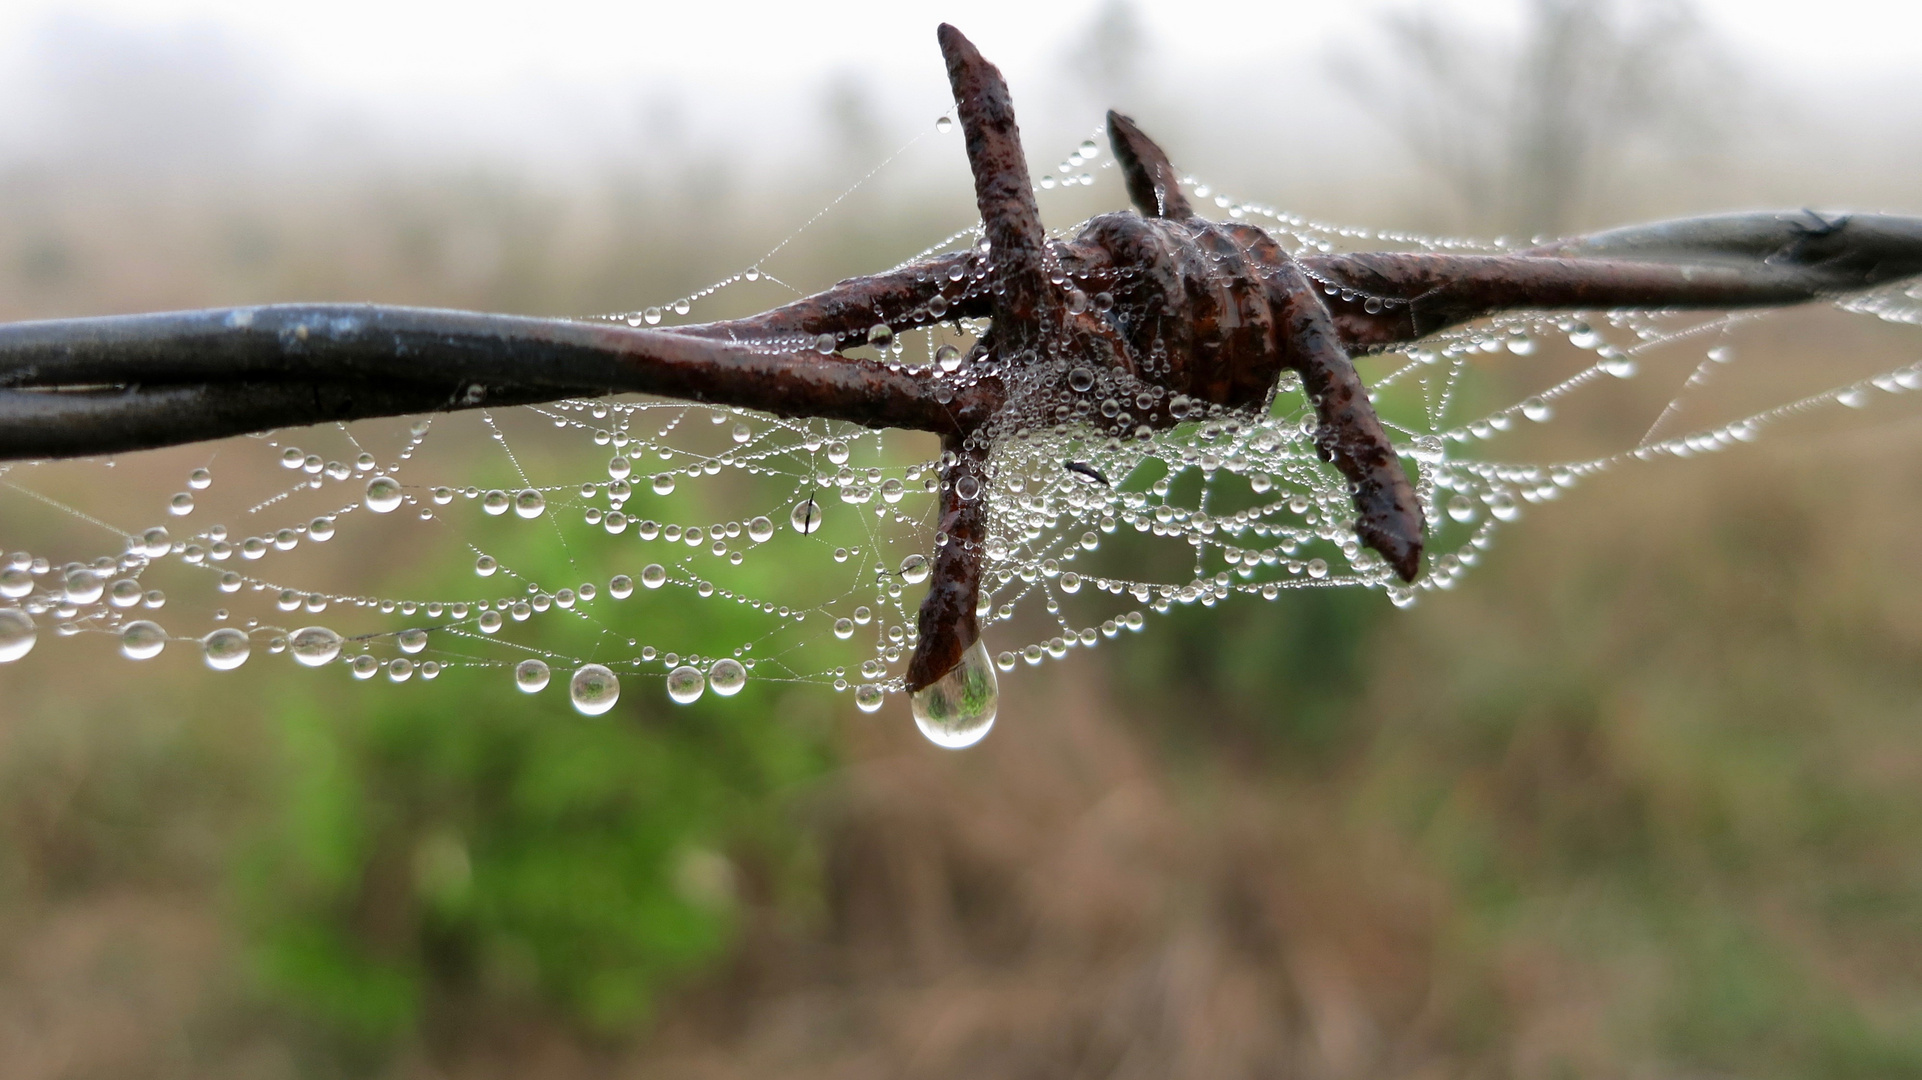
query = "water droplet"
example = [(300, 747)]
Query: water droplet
[(726, 677), (84, 587), (664, 484), (365, 666), (1537, 410), (1081, 380), (806, 517), (869, 697), (753, 273), (967, 487), (741, 434), (620, 587), (15, 582), (1461, 508), (619, 467), (958, 709), (291, 458), (486, 565), (685, 685), (200, 479), (529, 504), (1502, 505), (531, 676), (314, 645), (682, 307), (760, 530), (400, 669), (412, 641), (824, 344), (226, 648), (948, 358), (383, 494), (142, 640), (17, 634), (321, 528), (594, 689), (844, 628), (654, 575), (652, 316), (181, 504), (943, 125), (914, 569), (124, 593)]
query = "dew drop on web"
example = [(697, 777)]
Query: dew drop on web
[(225, 649), (412, 641), (531, 676), (685, 684), (17, 634), (314, 646), (593, 690), (383, 494), (806, 517), (726, 677), (142, 640)]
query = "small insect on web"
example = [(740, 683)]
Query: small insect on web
[(977, 460)]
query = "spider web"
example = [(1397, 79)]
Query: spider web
[(605, 544)]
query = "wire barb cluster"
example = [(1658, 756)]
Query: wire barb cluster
[(1170, 315)]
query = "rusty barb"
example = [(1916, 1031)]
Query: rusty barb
[(1207, 315)]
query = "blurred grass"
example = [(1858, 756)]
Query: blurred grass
[(1639, 797)]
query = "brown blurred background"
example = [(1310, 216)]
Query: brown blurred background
[(1641, 797)]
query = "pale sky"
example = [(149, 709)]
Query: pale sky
[(516, 72)]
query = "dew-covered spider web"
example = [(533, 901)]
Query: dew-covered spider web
[(622, 546)]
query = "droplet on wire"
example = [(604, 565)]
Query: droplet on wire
[(957, 710)]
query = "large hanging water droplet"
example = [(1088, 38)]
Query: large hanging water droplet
[(914, 569), (314, 645), (685, 685), (806, 517), (958, 708), (412, 641), (727, 676), (948, 358), (383, 494), (17, 634), (529, 504), (593, 689), (760, 530), (226, 648), (531, 676), (495, 502), (142, 640), (664, 484), (943, 125)]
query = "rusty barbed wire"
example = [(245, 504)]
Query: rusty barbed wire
[(1205, 311)]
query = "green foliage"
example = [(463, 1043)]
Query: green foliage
[(471, 847)]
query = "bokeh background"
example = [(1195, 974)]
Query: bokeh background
[(1641, 797)]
